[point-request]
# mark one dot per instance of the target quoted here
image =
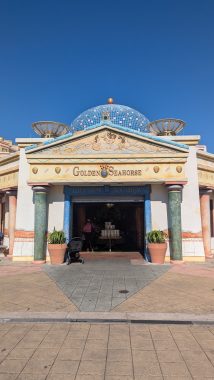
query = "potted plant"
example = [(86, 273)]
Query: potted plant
[(57, 246), (157, 246)]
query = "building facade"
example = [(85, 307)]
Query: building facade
[(113, 167)]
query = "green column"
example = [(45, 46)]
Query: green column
[(40, 223), (175, 230)]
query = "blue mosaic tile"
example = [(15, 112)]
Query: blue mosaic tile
[(123, 116)]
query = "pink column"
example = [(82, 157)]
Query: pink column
[(12, 219), (1, 216), (205, 221), (212, 218)]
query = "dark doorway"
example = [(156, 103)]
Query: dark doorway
[(125, 217)]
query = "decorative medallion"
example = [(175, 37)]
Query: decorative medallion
[(35, 170), (179, 169), (57, 170), (104, 170), (106, 116), (156, 169)]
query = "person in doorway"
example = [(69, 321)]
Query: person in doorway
[(88, 231)]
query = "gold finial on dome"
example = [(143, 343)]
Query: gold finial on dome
[(110, 101)]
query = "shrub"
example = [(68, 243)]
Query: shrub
[(156, 237), (56, 237)]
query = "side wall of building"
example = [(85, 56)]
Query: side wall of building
[(191, 214), (190, 210), (24, 234)]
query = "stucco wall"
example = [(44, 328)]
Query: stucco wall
[(25, 205), (24, 245), (159, 200), (55, 207), (212, 244), (190, 208)]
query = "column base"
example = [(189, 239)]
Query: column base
[(8, 257), (176, 262), (209, 257), (39, 262)]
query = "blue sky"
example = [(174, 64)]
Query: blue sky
[(60, 57)]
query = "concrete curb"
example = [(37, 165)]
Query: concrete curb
[(107, 317)]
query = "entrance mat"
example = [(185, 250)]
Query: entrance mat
[(101, 285), (112, 255)]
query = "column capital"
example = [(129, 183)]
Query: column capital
[(40, 189), (174, 187), (2, 194), (205, 191), (12, 192)]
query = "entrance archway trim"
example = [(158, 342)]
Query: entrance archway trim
[(70, 191)]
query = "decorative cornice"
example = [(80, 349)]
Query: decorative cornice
[(11, 158), (9, 170), (206, 168), (206, 156), (39, 184), (108, 125)]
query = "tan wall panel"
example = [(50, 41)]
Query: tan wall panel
[(81, 173), (9, 180), (206, 178)]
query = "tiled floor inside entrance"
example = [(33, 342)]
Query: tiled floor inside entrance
[(101, 285)]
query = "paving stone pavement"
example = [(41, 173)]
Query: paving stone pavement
[(83, 351), (187, 288), (26, 288), (96, 285)]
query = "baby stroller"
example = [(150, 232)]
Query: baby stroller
[(73, 251), (1, 238)]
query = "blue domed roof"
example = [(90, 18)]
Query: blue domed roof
[(110, 114)]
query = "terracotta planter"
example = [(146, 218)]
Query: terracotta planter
[(57, 253), (157, 252)]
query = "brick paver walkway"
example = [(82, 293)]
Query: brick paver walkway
[(177, 291), (83, 351), (26, 288)]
